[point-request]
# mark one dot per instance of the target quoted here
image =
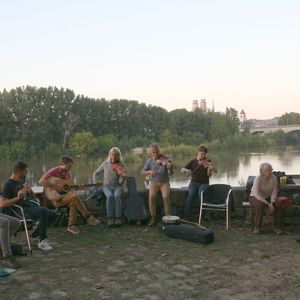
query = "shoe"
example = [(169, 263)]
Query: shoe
[(256, 230), (10, 261), (44, 245), (297, 238), (152, 222), (110, 222), (92, 220), (118, 221), (73, 229), (278, 231)]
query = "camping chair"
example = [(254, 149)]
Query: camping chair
[(17, 211), (216, 197)]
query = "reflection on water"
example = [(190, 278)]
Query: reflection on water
[(233, 168)]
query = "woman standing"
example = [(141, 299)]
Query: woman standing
[(114, 175), (263, 196)]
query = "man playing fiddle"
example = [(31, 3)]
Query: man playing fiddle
[(159, 180), (200, 169)]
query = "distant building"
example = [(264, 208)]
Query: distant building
[(242, 116), (203, 104), (195, 105)]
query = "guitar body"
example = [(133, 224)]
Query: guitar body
[(52, 194)]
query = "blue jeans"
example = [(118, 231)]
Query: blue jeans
[(195, 189), (45, 216), (113, 196)]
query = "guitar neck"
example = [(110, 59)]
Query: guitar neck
[(76, 186)]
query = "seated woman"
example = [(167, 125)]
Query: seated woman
[(114, 175), (263, 195)]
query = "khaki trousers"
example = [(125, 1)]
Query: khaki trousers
[(75, 204), (164, 188)]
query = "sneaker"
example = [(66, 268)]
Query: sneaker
[(92, 220), (297, 238), (11, 262), (44, 245), (278, 231), (110, 222), (256, 230), (73, 229), (152, 222), (118, 221)]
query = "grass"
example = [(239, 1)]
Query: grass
[(137, 262)]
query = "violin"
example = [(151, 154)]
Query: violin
[(119, 168), (163, 161), (207, 164)]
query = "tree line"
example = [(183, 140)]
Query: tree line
[(49, 121)]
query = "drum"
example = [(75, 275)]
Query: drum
[(170, 220)]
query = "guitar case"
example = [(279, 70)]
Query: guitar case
[(136, 209), (188, 232)]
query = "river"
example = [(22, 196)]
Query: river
[(233, 167)]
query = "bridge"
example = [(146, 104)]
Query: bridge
[(284, 128)]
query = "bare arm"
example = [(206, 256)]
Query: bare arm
[(10, 202)]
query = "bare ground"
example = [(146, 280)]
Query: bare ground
[(134, 262)]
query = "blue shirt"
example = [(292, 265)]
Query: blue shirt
[(162, 172)]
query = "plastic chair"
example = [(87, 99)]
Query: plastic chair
[(216, 197)]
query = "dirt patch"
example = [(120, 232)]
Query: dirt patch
[(140, 263)]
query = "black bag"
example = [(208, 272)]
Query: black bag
[(17, 250), (188, 232)]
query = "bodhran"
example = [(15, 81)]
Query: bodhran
[(170, 220)]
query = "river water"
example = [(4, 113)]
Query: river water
[(233, 167)]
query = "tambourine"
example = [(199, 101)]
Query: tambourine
[(170, 220)]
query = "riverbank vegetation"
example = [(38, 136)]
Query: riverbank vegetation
[(50, 121)]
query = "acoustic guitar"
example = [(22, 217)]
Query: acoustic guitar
[(67, 184)]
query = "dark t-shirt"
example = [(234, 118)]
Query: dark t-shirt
[(200, 175), (10, 190)]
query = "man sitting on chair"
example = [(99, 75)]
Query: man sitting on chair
[(8, 227), (17, 191), (61, 173)]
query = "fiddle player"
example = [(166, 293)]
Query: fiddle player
[(114, 173), (200, 169), (159, 181)]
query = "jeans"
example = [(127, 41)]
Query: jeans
[(44, 215), (195, 189), (8, 227), (113, 196)]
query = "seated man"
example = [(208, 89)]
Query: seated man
[(8, 227), (16, 190), (54, 181)]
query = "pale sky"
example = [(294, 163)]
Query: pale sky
[(238, 53)]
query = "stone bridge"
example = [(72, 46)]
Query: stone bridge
[(284, 128)]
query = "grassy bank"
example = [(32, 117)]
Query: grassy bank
[(140, 263)]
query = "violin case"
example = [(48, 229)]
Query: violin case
[(136, 209), (187, 232)]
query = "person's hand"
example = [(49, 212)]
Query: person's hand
[(271, 207), (21, 194), (153, 172)]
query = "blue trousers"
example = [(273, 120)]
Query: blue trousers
[(44, 215), (113, 197), (195, 189)]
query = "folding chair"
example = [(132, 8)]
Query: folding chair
[(216, 197), (17, 211)]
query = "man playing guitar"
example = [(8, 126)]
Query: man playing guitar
[(53, 180)]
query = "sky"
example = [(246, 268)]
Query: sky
[(243, 54)]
